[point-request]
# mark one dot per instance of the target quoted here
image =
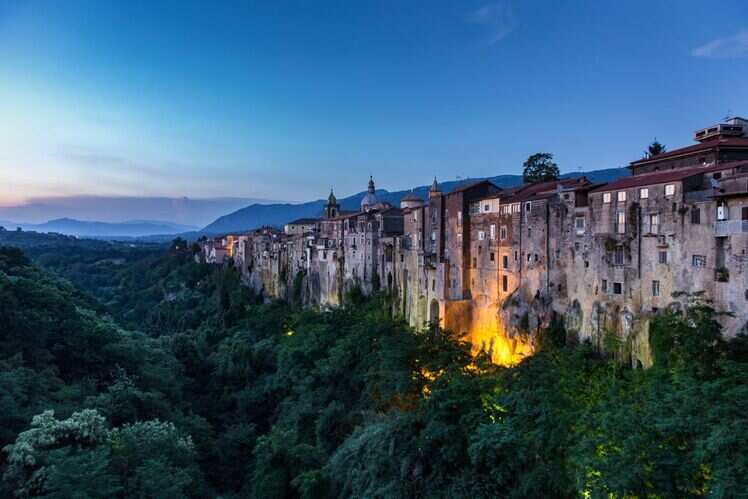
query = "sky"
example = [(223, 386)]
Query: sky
[(282, 100)]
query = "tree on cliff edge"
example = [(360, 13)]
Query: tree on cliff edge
[(654, 149), (540, 167)]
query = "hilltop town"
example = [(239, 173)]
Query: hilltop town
[(500, 264)]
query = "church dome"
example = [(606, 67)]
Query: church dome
[(370, 198), (411, 200)]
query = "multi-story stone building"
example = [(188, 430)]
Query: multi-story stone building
[(499, 264)]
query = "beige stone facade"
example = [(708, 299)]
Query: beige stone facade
[(500, 264)]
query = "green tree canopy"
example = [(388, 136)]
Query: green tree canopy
[(654, 149), (540, 167)]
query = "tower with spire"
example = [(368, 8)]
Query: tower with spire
[(332, 208), (434, 190), (369, 201)]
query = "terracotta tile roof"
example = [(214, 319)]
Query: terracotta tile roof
[(470, 184), (544, 189), (661, 177), (703, 146)]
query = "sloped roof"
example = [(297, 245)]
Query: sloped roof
[(703, 146), (662, 177)]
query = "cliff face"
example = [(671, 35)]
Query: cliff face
[(500, 266)]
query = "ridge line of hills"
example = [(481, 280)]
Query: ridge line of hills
[(257, 215)]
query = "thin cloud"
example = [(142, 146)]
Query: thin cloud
[(730, 47), (497, 17)]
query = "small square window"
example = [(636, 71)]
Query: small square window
[(670, 190), (621, 196), (698, 261), (617, 288), (644, 193), (606, 197)]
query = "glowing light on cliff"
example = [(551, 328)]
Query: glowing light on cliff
[(488, 335)]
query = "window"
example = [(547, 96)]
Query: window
[(528, 206), (670, 190), (433, 285), (695, 215), (493, 256), (486, 207), (698, 261), (516, 256), (529, 232), (744, 212), (502, 233), (529, 258), (644, 193), (655, 288), (617, 288), (604, 286), (536, 258), (433, 235), (579, 224), (654, 223), (505, 261), (504, 283), (621, 196), (475, 262), (493, 231), (606, 197), (481, 235), (621, 222), (662, 257), (619, 255), (459, 218)]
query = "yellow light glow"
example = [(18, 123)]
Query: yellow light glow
[(487, 335)]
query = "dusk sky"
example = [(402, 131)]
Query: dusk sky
[(281, 100)]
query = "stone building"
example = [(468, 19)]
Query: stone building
[(498, 265)]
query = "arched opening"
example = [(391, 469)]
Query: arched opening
[(434, 313)]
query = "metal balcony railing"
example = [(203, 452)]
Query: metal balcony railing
[(727, 227)]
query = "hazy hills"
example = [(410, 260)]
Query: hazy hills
[(258, 215), (117, 209), (81, 228)]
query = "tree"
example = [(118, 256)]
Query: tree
[(540, 168), (654, 149)]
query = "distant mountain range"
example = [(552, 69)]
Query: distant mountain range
[(258, 215), (104, 230), (115, 209)]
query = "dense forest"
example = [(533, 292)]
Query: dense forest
[(133, 372)]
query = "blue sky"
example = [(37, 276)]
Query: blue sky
[(281, 100)]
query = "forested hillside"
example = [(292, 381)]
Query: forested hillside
[(163, 378)]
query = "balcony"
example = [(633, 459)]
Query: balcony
[(724, 228)]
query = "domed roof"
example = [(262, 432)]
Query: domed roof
[(370, 198), (411, 196)]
